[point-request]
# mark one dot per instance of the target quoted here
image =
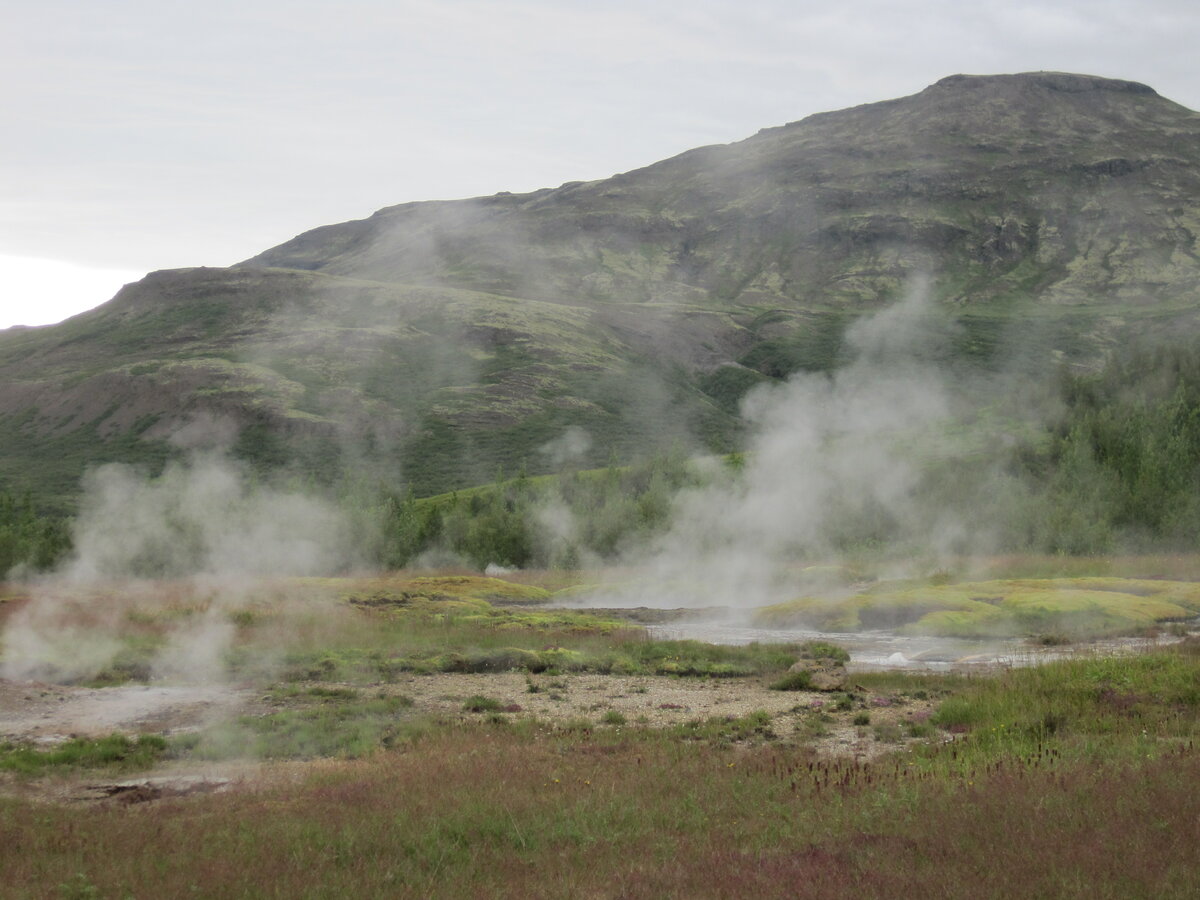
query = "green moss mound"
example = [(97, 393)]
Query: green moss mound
[(445, 594), (1076, 607)]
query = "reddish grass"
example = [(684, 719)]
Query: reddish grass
[(484, 812), (1119, 834)]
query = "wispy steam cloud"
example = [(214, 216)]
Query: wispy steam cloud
[(200, 519), (204, 524), (830, 455)]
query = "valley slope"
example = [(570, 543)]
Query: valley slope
[(1052, 217)]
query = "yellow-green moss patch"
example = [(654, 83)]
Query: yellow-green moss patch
[(1076, 607)]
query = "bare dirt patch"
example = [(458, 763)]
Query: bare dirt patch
[(44, 713), (656, 700), (808, 717), (47, 713)]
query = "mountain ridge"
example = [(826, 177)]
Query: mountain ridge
[(357, 244), (1052, 213)]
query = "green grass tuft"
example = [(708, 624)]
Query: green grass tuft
[(115, 751), (478, 703), (793, 681)]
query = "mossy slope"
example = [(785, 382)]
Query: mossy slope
[(443, 340)]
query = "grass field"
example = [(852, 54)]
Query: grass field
[(1076, 779), (1071, 779)]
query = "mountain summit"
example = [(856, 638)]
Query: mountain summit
[(439, 340), (969, 177)]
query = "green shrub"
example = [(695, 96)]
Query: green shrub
[(332, 693), (793, 681), (919, 729), (958, 713), (824, 650), (478, 703), (753, 725), (887, 733)]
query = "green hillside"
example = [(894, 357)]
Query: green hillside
[(431, 344)]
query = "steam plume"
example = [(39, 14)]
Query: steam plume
[(829, 455), (203, 523)]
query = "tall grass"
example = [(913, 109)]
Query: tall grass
[(493, 811), (1103, 707)]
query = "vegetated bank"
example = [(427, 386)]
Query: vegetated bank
[(1077, 775)]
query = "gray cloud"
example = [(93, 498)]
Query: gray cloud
[(153, 135)]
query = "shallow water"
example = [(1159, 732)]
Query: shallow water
[(888, 650)]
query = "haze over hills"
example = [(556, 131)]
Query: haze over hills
[(1052, 215)]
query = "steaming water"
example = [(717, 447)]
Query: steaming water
[(888, 650)]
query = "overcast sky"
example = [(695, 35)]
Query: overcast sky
[(144, 135)]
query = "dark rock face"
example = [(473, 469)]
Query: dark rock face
[(442, 340)]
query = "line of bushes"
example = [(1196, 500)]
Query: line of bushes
[(1118, 468)]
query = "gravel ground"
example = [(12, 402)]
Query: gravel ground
[(665, 701), (47, 714), (51, 713)]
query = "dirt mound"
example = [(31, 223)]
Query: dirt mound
[(145, 790)]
